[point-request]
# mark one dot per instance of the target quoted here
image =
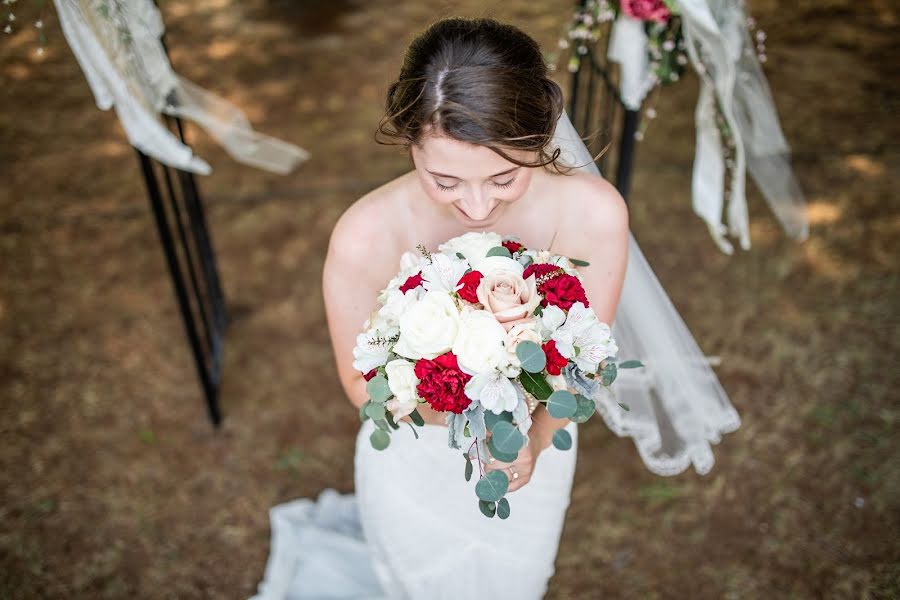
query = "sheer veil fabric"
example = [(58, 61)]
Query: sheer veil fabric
[(677, 406)]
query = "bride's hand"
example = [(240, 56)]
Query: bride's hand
[(519, 471)]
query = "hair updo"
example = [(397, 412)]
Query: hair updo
[(477, 81)]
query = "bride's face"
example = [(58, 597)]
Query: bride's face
[(473, 182)]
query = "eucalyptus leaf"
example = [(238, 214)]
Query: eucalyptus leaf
[(562, 404), (531, 356), (562, 439), (500, 455), (585, 410), (375, 410), (492, 486), (380, 439), (499, 251), (378, 389), (579, 263), (492, 418), (535, 384), (507, 438), (383, 425), (631, 364), (503, 508), (362, 411), (608, 374), (624, 406), (487, 508), (390, 419), (469, 468)]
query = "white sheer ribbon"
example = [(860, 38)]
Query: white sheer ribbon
[(720, 48), (677, 406), (119, 48)]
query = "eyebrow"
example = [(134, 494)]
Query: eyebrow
[(506, 172)]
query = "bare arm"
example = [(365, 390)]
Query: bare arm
[(601, 238)]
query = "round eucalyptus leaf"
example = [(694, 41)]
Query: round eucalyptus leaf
[(503, 508), (501, 456), (608, 374), (378, 389), (492, 418), (562, 404), (507, 438), (562, 439), (492, 486), (531, 356), (585, 410), (362, 411), (375, 410), (380, 439), (499, 251), (487, 508)]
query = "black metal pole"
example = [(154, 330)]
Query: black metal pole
[(626, 152)]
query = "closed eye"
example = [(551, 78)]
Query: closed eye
[(445, 188), (505, 184)]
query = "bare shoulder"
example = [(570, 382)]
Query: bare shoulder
[(591, 210)]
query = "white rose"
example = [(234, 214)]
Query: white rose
[(480, 344), (473, 245), (401, 376), (488, 266), (429, 327)]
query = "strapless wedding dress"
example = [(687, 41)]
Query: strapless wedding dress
[(413, 529)]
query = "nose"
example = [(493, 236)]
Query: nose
[(475, 204)]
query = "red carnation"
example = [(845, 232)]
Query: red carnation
[(469, 283), (442, 384), (556, 362), (370, 374), (563, 291), (512, 246), (539, 270), (412, 283)]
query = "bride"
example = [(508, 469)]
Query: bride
[(492, 150)]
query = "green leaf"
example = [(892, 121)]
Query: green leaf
[(390, 419), (538, 310), (503, 508), (469, 468), (536, 385), (499, 454), (624, 406), (417, 418), (499, 251), (378, 389), (585, 410), (380, 439), (487, 508), (362, 411), (375, 410), (631, 364), (531, 356), (562, 439), (507, 438), (562, 404), (608, 374), (492, 418), (383, 425), (580, 263), (415, 433), (492, 486), (461, 255)]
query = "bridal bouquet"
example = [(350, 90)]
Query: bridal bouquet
[(484, 330)]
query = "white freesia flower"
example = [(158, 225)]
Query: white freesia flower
[(473, 245), (402, 380), (480, 344), (550, 320), (584, 339), (429, 327), (494, 390), (491, 264), (369, 353), (443, 273)]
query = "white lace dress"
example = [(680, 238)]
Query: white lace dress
[(413, 529)]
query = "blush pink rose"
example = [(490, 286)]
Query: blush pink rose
[(508, 297), (646, 10)]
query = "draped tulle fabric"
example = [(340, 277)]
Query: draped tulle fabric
[(119, 48), (677, 406), (413, 530)]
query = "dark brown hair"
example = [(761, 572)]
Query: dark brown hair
[(477, 81)]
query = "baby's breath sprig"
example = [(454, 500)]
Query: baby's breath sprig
[(424, 251)]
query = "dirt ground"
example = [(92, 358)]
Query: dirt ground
[(114, 485)]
